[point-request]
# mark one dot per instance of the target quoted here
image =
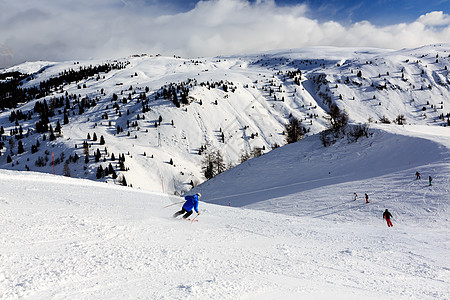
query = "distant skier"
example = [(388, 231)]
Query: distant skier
[(367, 198), (387, 215), (430, 179), (417, 175), (356, 196), (188, 206)]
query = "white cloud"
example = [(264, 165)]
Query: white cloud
[(435, 18), (68, 30)]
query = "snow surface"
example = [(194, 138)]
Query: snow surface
[(308, 166), (65, 238), (281, 226)]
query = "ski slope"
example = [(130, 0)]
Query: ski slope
[(307, 166), (65, 238)]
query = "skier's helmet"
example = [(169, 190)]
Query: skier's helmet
[(199, 195)]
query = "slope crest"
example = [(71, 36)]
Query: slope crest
[(307, 165)]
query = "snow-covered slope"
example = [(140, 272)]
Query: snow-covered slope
[(287, 226), (237, 104), (307, 166), (66, 238)]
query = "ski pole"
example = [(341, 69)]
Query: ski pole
[(173, 204)]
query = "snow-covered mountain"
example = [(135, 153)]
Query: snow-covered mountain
[(238, 104), (288, 225)]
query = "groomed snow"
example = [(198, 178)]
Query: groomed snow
[(65, 238)]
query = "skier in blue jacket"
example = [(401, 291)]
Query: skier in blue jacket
[(188, 206)]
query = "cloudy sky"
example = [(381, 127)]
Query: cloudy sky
[(67, 30)]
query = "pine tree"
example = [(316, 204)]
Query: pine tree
[(208, 166), (294, 131), (123, 181), (219, 162), (58, 127), (52, 136), (66, 119), (400, 120), (97, 155), (20, 149), (66, 169), (100, 172), (244, 157), (102, 140), (86, 148), (34, 149), (337, 118), (110, 169)]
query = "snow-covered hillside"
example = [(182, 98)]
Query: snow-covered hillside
[(237, 104), (284, 225), (288, 179), (65, 238)]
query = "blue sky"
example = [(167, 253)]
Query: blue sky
[(84, 29), (378, 12)]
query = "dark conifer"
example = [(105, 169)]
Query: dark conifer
[(20, 149), (52, 136), (294, 131), (66, 169), (58, 127), (97, 156), (100, 172)]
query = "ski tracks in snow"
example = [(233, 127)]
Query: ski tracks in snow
[(96, 241)]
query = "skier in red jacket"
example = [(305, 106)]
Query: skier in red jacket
[(387, 215)]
